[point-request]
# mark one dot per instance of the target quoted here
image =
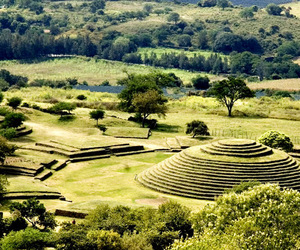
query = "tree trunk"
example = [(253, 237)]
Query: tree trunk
[(229, 110)]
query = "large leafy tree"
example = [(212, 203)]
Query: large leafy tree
[(137, 83), (230, 90), (150, 102)]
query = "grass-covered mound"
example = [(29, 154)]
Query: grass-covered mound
[(204, 172)]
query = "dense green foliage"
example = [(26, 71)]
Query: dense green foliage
[(14, 102), (196, 128), (277, 140), (29, 238), (150, 102), (34, 213), (200, 82), (125, 228), (63, 108), (262, 217), (97, 114), (13, 120)]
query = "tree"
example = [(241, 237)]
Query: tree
[(273, 9), (5, 149), (200, 82), (173, 17), (97, 114), (14, 102), (230, 90), (223, 4), (97, 5), (196, 128), (277, 140), (136, 83), (184, 40), (150, 102), (13, 120), (61, 107), (34, 213), (247, 13)]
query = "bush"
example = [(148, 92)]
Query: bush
[(81, 97), (13, 120), (200, 82), (14, 102), (26, 239), (197, 128), (277, 140)]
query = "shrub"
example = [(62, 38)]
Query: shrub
[(14, 102), (26, 239), (13, 120), (277, 140), (200, 82), (81, 97), (8, 133), (197, 128), (25, 105)]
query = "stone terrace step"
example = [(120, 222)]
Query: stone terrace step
[(264, 152), (289, 163), (88, 158), (43, 175), (268, 164), (86, 153), (56, 146), (135, 152)]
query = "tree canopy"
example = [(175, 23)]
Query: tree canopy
[(230, 90), (150, 102), (97, 114), (137, 83)]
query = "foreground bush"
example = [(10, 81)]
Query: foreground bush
[(26, 239), (277, 140), (263, 217)]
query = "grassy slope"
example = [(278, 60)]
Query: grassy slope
[(85, 69)]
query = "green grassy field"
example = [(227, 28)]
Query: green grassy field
[(87, 69), (89, 184)]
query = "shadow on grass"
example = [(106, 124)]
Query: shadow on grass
[(203, 138), (67, 118), (23, 139), (167, 128)]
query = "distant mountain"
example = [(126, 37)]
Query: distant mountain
[(246, 3)]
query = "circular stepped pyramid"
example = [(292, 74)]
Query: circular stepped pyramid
[(204, 172)]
